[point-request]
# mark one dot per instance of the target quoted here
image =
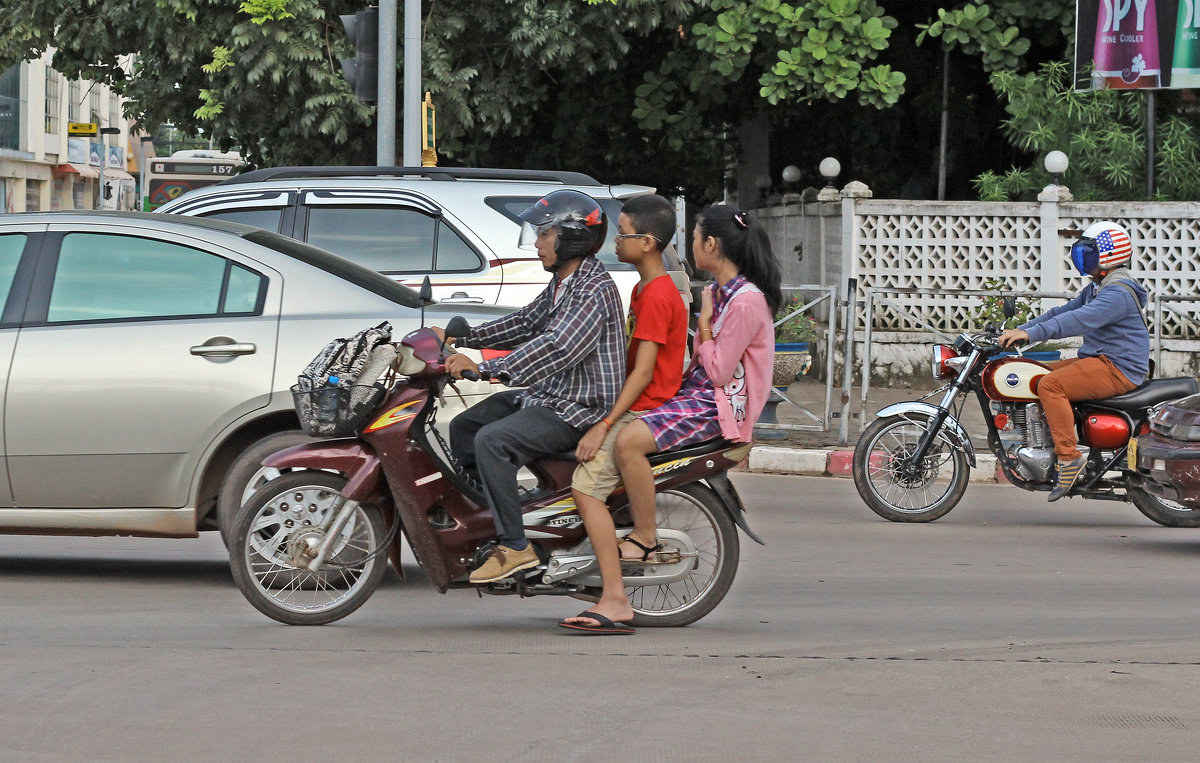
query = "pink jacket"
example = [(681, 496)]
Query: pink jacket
[(740, 362)]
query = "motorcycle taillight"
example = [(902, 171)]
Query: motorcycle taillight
[(942, 353)]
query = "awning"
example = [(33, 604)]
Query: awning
[(82, 170), (112, 173)]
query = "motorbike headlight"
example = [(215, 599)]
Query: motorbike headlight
[(943, 366)]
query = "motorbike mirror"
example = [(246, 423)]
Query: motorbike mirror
[(426, 297), (458, 327), (1009, 306)]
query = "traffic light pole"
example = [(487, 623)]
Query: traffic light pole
[(385, 115)]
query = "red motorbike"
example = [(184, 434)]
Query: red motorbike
[(912, 463), (311, 546)]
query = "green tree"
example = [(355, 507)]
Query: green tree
[(262, 75), (1103, 133)]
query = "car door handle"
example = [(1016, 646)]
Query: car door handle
[(223, 347), (461, 297)]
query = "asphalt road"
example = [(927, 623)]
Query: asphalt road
[(1011, 629)]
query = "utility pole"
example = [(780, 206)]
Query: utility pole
[(385, 115), (412, 82)]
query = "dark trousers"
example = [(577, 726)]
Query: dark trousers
[(495, 438)]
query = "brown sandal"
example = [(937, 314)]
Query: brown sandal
[(647, 551)]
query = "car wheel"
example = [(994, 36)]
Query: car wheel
[(247, 474)]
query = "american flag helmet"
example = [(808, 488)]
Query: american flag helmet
[(1113, 246)]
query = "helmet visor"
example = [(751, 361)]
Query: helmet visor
[(1085, 255), (530, 234)]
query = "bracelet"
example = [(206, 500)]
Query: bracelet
[(607, 424)]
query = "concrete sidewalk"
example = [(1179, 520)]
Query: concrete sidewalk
[(818, 453)]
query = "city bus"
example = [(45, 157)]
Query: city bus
[(169, 177)]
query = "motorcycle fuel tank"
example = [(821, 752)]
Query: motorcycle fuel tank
[(1013, 378)]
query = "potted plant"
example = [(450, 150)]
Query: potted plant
[(792, 338), (1020, 310)]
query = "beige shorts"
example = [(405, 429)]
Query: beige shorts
[(599, 477)]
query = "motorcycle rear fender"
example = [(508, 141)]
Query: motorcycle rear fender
[(733, 502), (349, 456), (953, 429)]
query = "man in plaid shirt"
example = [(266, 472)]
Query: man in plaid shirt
[(567, 351)]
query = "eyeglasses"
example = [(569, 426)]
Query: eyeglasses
[(638, 235)]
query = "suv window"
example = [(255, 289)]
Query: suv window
[(390, 240), (11, 246), (111, 277), (267, 219), (512, 206)]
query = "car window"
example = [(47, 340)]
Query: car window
[(11, 246), (111, 277), (512, 206), (267, 219), (364, 278), (390, 239)]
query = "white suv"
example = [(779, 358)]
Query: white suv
[(459, 226)]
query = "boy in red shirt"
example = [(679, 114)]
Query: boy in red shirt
[(657, 331)]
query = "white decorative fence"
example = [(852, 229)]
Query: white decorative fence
[(955, 246), (948, 248)]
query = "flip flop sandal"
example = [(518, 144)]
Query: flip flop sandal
[(646, 551), (605, 628)]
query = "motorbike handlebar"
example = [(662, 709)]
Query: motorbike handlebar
[(501, 377)]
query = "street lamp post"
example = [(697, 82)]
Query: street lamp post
[(142, 171), (104, 160)]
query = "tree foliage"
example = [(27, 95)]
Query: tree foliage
[(647, 91), (1103, 133)]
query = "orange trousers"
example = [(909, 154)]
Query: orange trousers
[(1076, 379)]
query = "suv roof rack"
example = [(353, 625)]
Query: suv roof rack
[(431, 173)]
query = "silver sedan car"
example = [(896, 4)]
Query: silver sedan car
[(147, 359)]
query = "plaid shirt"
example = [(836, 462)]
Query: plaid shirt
[(569, 355)]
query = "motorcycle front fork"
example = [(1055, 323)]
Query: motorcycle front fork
[(315, 552)]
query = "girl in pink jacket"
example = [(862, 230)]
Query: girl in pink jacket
[(728, 382)]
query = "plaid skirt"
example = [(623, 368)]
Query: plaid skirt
[(686, 419)]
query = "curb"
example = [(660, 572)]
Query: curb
[(839, 463)]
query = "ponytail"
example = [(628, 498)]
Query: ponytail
[(744, 241)]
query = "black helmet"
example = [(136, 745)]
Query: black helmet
[(582, 224)]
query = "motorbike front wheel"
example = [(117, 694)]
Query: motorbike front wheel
[(1166, 513), (895, 487), (277, 523), (695, 510)]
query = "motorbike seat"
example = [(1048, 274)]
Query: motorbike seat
[(1152, 392), (714, 445)]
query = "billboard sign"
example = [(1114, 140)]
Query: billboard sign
[(1137, 44)]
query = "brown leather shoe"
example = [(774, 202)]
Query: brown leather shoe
[(503, 562)]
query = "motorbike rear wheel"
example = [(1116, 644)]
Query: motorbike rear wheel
[(886, 480), (695, 510), (1166, 513), (267, 531)]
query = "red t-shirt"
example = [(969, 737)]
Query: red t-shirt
[(656, 314)]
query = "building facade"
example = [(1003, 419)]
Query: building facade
[(44, 168)]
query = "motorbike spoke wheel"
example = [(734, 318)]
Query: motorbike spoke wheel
[(1166, 513), (276, 523), (894, 485), (695, 510)]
